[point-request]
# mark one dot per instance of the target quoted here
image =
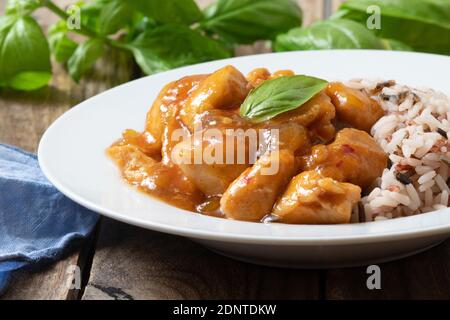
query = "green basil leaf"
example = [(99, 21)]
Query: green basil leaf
[(139, 25), (245, 21), (168, 11), (90, 13), (328, 34), (21, 7), (422, 24), (114, 16), (172, 46), (280, 95), (30, 80), (61, 46), (23, 51), (6, 22), (84, 58)]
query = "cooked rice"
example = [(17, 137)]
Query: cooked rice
[(414, 132)]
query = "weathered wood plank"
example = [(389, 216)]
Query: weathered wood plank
[(23, 119), (312, 10), (336, 4), (423, 276), (133, 263), (53, 282)]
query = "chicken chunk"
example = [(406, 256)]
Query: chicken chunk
[(211, 161), (252, 195), (316, 115), (259, 75), (353, 157), (131, 161), (164, 110), (221, 119), (290, 136), (353, 107), (163, 181), (311, 198), (226, 88)]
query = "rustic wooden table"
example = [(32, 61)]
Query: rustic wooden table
[(120, 261)]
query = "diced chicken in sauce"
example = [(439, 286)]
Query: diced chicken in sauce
[(224, 89), (195, 156), (353, 107), (165, 110), (252, 195), (317, 115), (199, 153), (353, 157), (166, 182), (290, 135), (259, 75), (311, 198)]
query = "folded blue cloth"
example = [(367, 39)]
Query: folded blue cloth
[(36, 221)]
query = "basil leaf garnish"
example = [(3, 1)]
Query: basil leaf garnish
[(280, 95)]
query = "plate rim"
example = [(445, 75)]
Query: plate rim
[(375, 236)]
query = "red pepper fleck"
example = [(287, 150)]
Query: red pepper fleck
[(394, 188), (246, 179), (339, 163), (347, 149), (403, 167)]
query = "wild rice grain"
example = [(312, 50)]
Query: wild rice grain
[(423, 169), (446, 160), (427, 185), (383, 202), (441, 183), (428, 197), (361, 212), (403, 178), (381, 85), (414, 133), (426, 177), (444, 198), (442, 133), (439, 207), (414, 197), (389, 163)]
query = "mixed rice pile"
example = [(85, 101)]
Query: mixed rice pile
[(414, 133)]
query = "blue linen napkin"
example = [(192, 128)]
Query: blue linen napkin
[(36, 221)]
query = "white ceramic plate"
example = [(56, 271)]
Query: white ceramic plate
[(72, 156)]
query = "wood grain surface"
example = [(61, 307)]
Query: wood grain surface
[(23, 119), (124, 262), (422, 276), (133, 263)]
